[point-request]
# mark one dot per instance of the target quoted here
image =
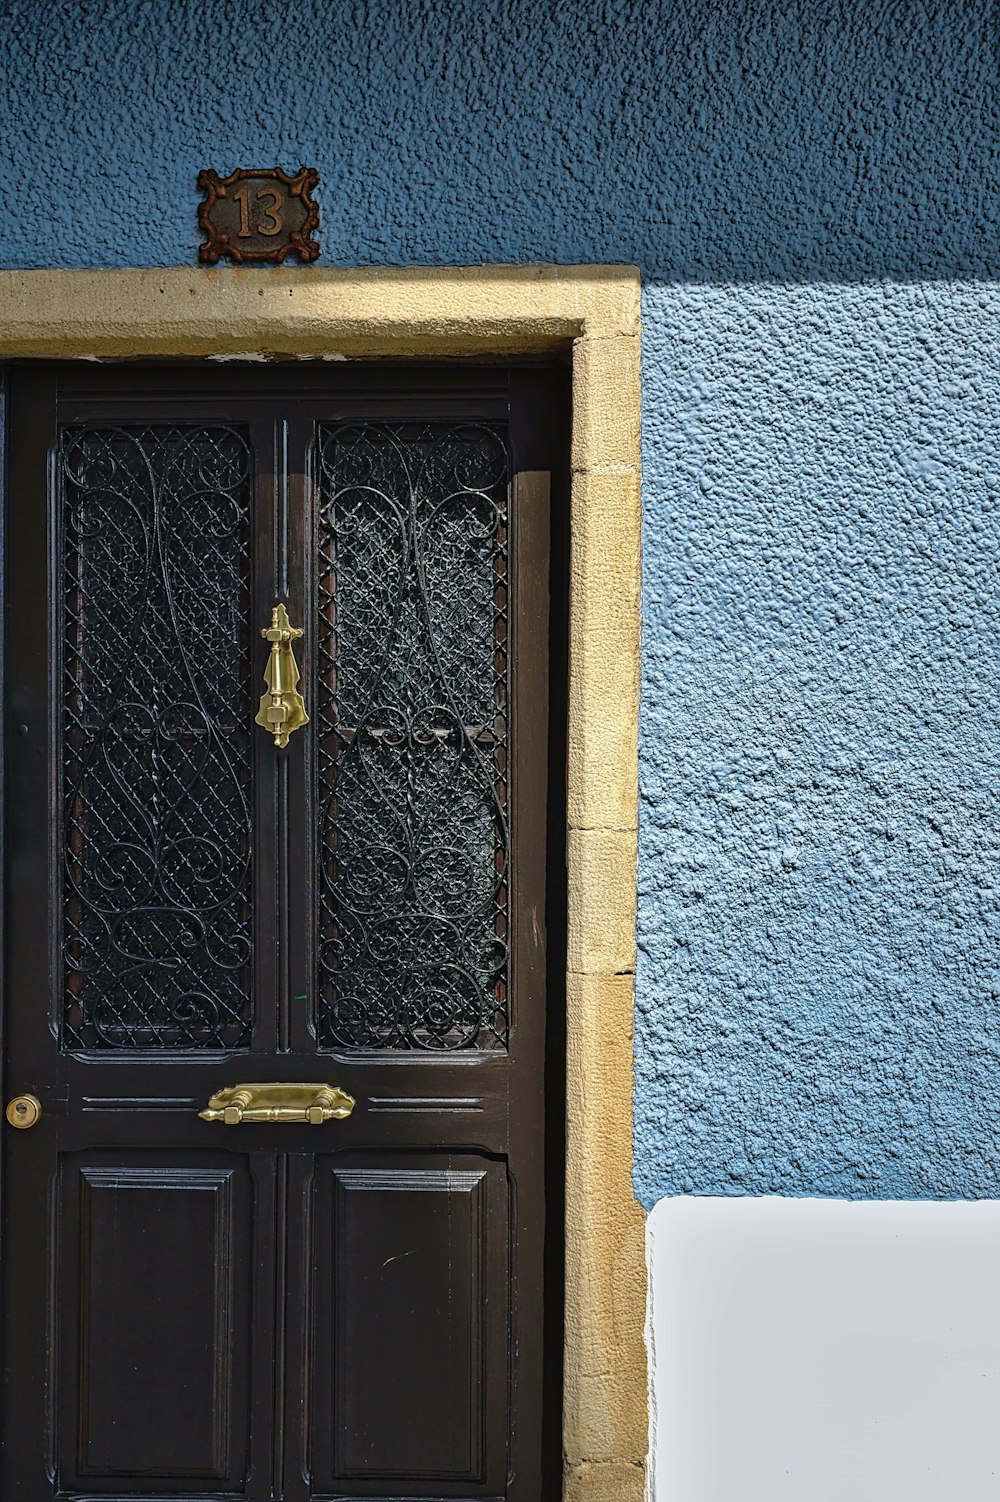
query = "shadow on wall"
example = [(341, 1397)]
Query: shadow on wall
[(703, 139)]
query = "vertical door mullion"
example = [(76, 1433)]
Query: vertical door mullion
[(536, 437), (30, 1061), (267, 862), (298, 1322), (300, 756), (34, 817), (296, 1035), (268, 1210), (528, 802)]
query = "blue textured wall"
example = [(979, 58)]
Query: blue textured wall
[(703, 139), (811, 191), (819, 984)]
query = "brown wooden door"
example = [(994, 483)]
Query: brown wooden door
[(279, 1309)]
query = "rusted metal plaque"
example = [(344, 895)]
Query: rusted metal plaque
[(257, 215)]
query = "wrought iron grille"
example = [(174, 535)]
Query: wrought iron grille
[(157, 762), (412, 705)]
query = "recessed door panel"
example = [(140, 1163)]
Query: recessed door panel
[(153, 1270), (411, 1277)]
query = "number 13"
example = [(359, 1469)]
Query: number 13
[(271, 222)]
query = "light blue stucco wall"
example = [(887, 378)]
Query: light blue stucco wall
[(819, 990), (811, 191)]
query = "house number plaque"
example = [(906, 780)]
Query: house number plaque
[(258, 215)]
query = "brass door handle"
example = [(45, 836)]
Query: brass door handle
[(309, 1103), (281, 709)]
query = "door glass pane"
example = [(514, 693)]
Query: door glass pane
[(156, 742), (412, 657)]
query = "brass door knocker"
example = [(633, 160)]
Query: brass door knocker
[(281, 709)]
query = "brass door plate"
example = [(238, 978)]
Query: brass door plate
[(311, 1104)]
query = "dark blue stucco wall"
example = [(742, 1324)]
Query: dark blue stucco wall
[(702, 139), (811, 191)]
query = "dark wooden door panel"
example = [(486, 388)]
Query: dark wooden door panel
[(278, 1312), (410, 1279), (155, 1313)]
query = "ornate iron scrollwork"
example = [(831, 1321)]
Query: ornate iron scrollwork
[(412, 646), (157, 757)]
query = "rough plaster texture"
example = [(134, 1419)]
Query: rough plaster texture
[(811, 192), (818, 975), (838, 138)]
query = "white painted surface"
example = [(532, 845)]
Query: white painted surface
[(825, 1351)]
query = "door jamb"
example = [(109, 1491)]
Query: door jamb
[(487, 311)]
